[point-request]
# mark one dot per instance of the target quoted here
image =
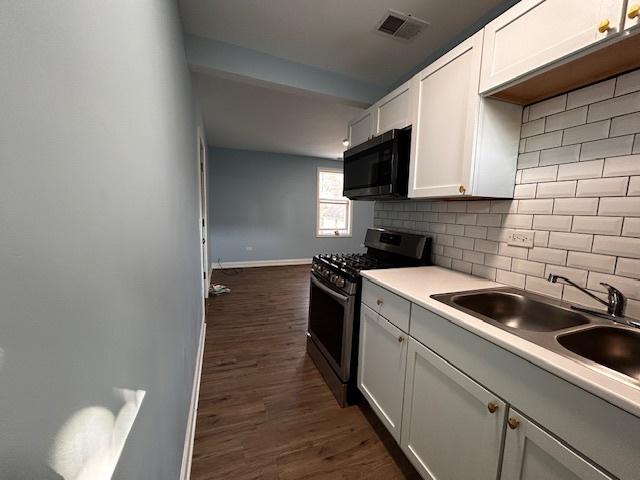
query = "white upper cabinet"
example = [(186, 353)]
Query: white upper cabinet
[(461, 143), (393, 110), (535, 33), (452, 427), (632, 15), (530, 453), (362, 128), (381, 368)]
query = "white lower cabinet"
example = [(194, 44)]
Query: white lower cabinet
[(530, 453), (381, 367), (452, 427)]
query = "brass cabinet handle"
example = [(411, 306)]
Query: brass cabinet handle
[(603, 27), (400, 339), (492, 407), (461, 189), (513, 423), (634, 11), (379, 301)]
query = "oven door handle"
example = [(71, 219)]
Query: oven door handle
[(342, 298)]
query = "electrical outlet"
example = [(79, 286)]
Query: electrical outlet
[(521, 238)]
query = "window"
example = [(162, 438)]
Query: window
[(334, 210)]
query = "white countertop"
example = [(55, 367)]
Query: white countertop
[(418, 284)]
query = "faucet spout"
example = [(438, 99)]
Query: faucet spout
[(616, 300)]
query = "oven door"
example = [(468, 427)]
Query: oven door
[(331, 318)]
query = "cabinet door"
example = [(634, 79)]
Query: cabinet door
[(632, 16), (381, 367), (392, 111), (535, 33), (362, 128), (452, 428), (530, 453), (445, 98)]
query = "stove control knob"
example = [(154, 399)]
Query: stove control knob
[(340, 282)]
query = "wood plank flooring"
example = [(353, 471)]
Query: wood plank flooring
[(265, 413)]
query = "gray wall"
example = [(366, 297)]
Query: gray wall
[(99, 259), (268, 201)]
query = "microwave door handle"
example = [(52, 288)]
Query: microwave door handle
[(341, 298)]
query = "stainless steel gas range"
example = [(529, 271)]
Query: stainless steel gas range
[(334, 303)]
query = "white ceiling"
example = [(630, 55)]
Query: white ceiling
[(249, 117), (334, 35)]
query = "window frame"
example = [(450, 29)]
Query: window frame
[(319, 201)]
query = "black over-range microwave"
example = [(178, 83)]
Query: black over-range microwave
[(378, 168)]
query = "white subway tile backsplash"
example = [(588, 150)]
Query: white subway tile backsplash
[(541, 239), (461, 266), (473, 257), (540, 174), (475, 232), (528, 267), (628, 267), (466, 218), (631, 227), (570, 118), (623, 206), (444, 262), (537, 206), (591, 169), (621, 166), (614, 107), (510, 251), (486, 246), (576, 206), (573, 295), (497, 261), (602, 187), (490, 220), (627, 83), (528, 160), (548, 107), (483, 271), (504, 206), (571, 241), (610, 147), (621, 246), (457, 206), (498, 234), (636, 144), (548, 255), (601, 225), (481, 206), (591, 262), (535, 127), (525, 114), (628, 286), (516, 280), (556, 189), (557, 223), (556, 156), (591, 94), (446, 240), (453, 252), (463, 242), (541, 286), (546, 140), (625, 124), (452, 229), (447, 217), (518, 176), (586, 133), (634, 186), (513, 220), (525, 190)]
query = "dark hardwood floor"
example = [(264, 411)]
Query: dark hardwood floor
[(265, 412)]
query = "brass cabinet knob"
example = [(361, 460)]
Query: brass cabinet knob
[(461, 189), (379, 301), (513, 423), (400, 339), (603, 27), (634, 11), (492, 407)]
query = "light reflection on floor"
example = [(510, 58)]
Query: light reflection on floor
[(89, 444)]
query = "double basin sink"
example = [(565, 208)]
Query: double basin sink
[(595, 342)]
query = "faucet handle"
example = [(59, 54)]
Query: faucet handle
[(617, 300)]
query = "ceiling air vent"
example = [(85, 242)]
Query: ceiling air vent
[(401, 25)]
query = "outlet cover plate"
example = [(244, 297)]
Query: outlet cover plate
[(521, 238)]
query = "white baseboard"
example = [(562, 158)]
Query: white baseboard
[(262, 263), (187, 452)]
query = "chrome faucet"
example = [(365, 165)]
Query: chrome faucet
[(616, 301)]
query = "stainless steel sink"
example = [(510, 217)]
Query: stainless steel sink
[(518, 311), (587, 339), (613, 347)]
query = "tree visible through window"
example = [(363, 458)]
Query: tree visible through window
[(334, 210)]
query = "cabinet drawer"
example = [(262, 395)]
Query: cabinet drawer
[(391, 306)]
